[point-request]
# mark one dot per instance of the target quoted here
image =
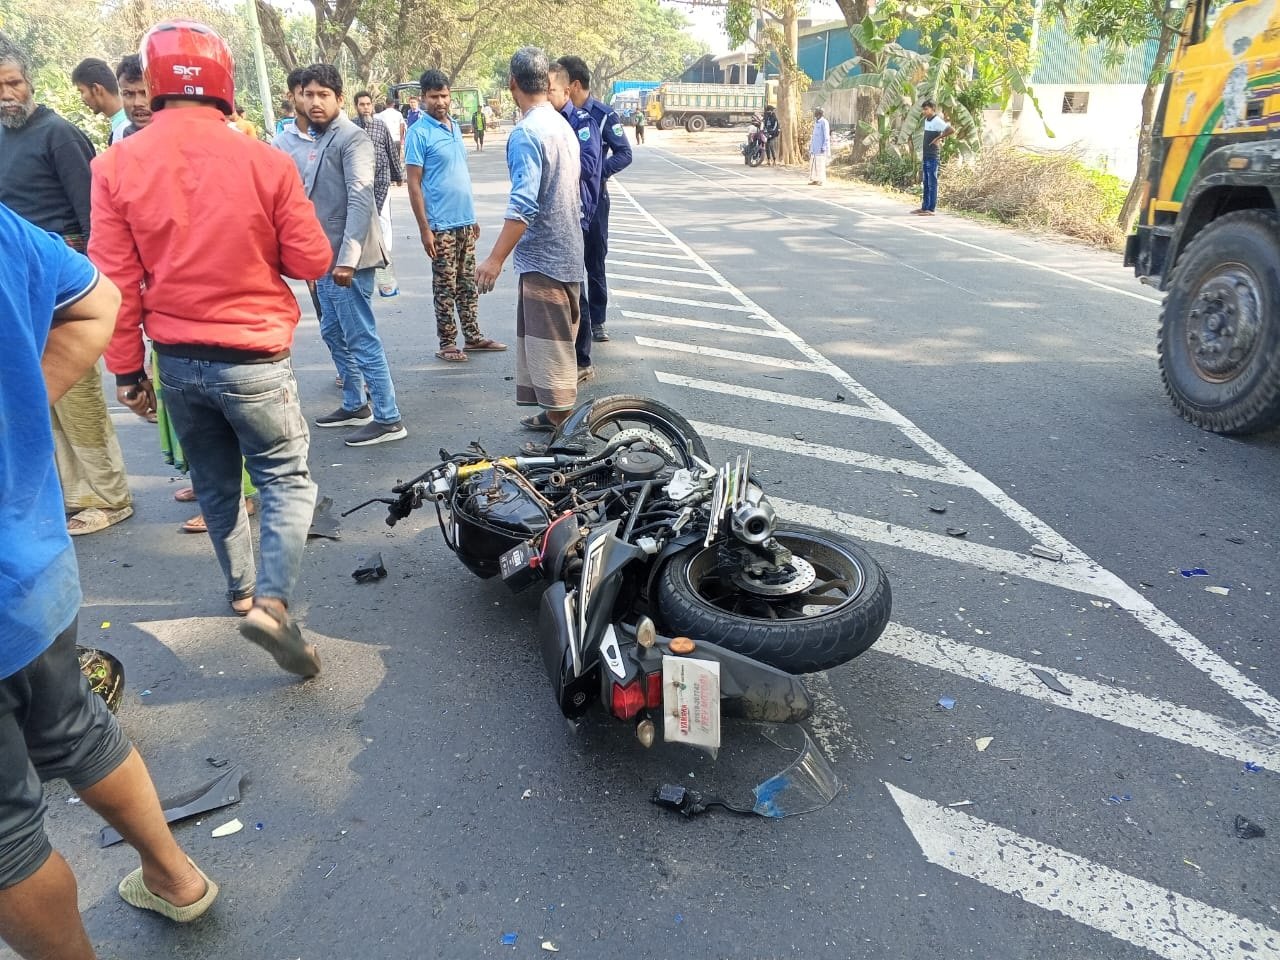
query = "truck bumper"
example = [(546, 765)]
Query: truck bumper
[(1146, 251)]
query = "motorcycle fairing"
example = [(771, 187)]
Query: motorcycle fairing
[(575, 688)]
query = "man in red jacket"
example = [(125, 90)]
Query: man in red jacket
[(196, 223)]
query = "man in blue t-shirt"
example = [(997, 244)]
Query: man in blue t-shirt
[(56, 316), (440, 195)]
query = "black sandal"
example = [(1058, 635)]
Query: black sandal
[(539, 421)]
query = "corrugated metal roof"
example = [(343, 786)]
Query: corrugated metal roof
[(1061, 59)]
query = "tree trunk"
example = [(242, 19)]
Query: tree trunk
[(789, 88), (1129, 210), (274, 36), (855, 11)]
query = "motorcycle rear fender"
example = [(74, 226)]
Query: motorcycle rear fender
[(574, 689), (604, 559)]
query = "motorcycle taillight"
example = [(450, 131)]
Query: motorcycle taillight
[(627, 701)]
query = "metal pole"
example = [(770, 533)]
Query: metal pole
[(260, 61)]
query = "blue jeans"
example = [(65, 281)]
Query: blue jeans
[(349, 331), (930, 183), (225, 411)]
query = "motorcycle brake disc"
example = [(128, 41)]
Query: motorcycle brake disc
[(648, 436), (802, 577)]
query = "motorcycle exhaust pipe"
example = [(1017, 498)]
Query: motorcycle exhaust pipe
[(753, 522)]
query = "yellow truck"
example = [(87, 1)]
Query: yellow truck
[(1209, 230), (695, 106)]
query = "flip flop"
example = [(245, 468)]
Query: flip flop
[(487, 346), (242, 611), (539, 421), (135, 893), (277, 633), (197, 523), (452, 355), (185, 495), (94, 519)]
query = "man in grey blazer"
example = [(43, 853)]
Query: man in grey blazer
[(336, 161)]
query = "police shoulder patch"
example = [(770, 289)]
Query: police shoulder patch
[(584, 134), (617, 129)]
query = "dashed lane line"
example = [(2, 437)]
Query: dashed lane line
[(736, 356), (765, 396), (683, 284), (701, 324)]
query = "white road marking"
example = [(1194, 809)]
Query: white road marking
[(684, 284), (820, 451), (642, 243), (701, 324), (766, 396), (630, 233), (1235, 683), (660, 256), (614, 262), (1115, 704), (1127, 908), (734, 355), (688, 303)]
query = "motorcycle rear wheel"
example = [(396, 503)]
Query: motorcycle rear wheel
[(611, 415), (828, 623), (755, 158)]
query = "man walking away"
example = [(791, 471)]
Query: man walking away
[(386, 169), (772, 130), (819, 149), (222, 348), (639, 126), (100, 94), (440, 195), (543, 225), (477, 128), (133, 94), (393, 120), (337, 170), (615, 157), (589, 148), (936, 129), (44, 178)]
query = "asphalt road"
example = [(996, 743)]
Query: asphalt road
[(880, 367)]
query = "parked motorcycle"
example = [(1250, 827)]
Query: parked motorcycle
[(672, 594), (754, 150)]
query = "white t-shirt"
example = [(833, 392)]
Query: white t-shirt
[(394, 123)]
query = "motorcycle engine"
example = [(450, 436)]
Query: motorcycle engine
[(503, 503), (640, 464)]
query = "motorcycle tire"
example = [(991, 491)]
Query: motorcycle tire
[(781, 631), (755, 159), (623, 411)]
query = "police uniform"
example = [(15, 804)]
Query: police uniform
[(615, 156)]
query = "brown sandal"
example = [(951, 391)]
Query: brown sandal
[(275, 631), (452, 355), (197, 523), (487, 346), (185, 495)]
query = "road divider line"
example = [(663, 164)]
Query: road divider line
[(642, 243), (765, 396), (1135, 911), (654, 266), (1114, 704), (630, 233), (684, 284), (820, 451), (734, 355), (701, 324), (660, 256), (688, 303)]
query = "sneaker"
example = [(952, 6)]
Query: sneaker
[(375, 432), (598, 335), (346, 418), (585, 374)]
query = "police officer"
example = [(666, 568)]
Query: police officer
[(589, 182), (615, 157)]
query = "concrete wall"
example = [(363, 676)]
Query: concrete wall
[(837, 105), (1106, 136)]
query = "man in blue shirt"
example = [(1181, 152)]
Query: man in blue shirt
[(615, 157), (440, 195), (589, 145), (56, 316), (413, 114)]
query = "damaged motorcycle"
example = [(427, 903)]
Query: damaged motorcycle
[(671, 592)]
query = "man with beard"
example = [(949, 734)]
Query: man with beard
[(337, 167), (133, 93), (44, 178), (387, 169)]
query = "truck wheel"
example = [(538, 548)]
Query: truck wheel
[(696, 124), (666, 123), (1220, 327)]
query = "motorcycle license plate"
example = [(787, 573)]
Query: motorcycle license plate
[(691, 702)]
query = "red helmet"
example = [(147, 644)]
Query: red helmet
[(182, 58)]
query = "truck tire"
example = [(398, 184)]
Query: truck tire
[(696, 124), (666, 123), (1219, 344)]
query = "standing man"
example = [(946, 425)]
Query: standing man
[(589, 149), (286, 116), (386, 170), (58, 315), (414, 114), (44, 178), (477, 128), (936, 129), (222, 348), (615, 157), (819, 149), (543, 225), (337, 166), (772, 128), (440, 195), (393, 120), (133, 94), (100, 93), (639, 120)]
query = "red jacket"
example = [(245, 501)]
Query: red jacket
[(196, 223)]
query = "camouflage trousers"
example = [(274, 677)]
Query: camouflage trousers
[(453, 282)]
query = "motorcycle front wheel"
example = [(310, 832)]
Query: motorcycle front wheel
[(609, 416), (830, 606), (755, 158)]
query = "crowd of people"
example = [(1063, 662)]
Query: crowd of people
[(169, 254)]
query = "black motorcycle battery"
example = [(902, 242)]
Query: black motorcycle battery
[(520, 567)]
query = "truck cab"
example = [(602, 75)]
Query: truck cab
[(1209, 232)]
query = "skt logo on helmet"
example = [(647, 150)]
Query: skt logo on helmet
[(181, 71)]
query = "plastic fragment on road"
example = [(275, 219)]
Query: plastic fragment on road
[(946, 703), (527, 794), (145, 693), (1251, 767), (106, 624), (371, 568), (214, 795), (509, 939), (550, 947), (257, 826), (982, 743), (956, 531), (1052, 682), (937, 508), (1194, 572), (961, 803), (1044, 553), (323, 522), (228, 828), (1220, 591), (217, 761), (1121, 798), (1246, 829)]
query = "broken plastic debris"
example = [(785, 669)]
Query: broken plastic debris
[(982, 743), (145, 693), (946, 703), (1044, 553), (961, 803), (371, 568), (227, 829), (1052, 682), (1122, 798), (73, 800), (679, 918), (937, 508), (1251, 767), (1220, 591), (216, 761), (956, 531), (1195, 572), (509, 939), (257, 826), (106, 624), (1246, 829), (550, 947), (527, 794), (214, 795), (323, 522)]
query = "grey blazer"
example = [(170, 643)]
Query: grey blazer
[(337, 171)]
